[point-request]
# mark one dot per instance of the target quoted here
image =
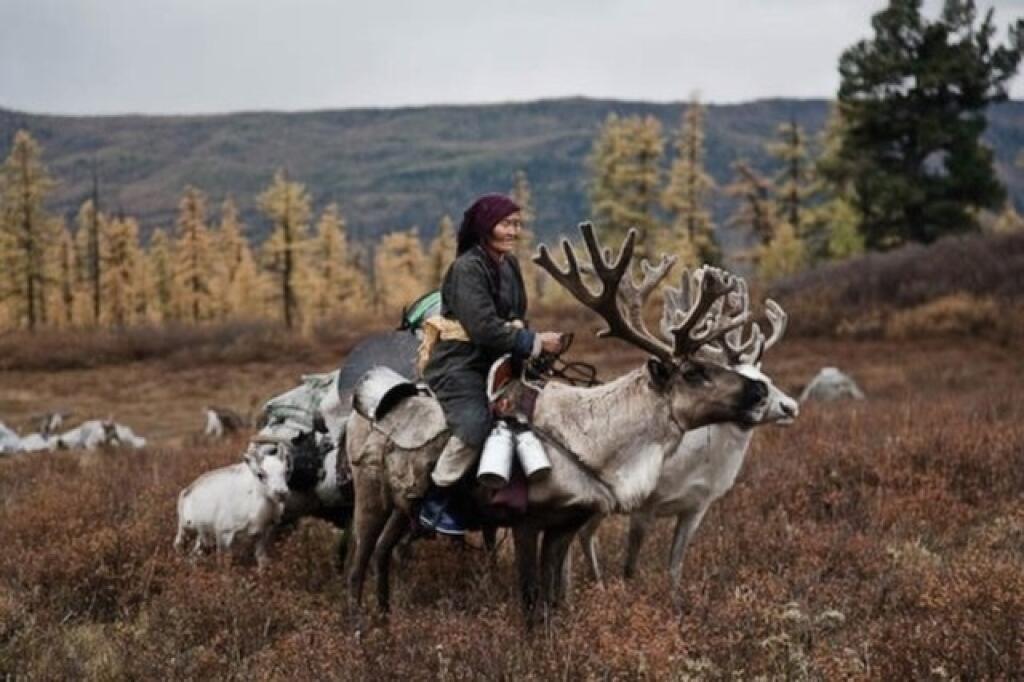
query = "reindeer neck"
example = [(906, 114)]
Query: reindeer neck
[(621, 431)]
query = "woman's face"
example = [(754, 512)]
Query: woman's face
[(505, 234)]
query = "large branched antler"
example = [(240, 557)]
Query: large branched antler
[(696, 314), (633, 296), (610, 275)]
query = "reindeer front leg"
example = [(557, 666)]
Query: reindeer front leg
[(588, 543), (686, 526), (639, 522), (525, 541)]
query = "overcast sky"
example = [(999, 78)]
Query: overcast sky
[(191, 56)]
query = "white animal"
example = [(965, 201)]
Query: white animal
[(37, 442), (10, 442), (239, 502), (222, 420), (316, 487), (51, 422), (96, 433), (831, 384), (707, 460)]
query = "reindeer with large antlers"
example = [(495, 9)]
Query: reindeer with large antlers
[(707, 460), (606, 444)]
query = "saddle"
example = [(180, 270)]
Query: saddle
[(511, 395), (380, 393)]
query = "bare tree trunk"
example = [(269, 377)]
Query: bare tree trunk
[(30, 245)]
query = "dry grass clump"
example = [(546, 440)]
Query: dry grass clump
[(227, 343), (968, 285), (881, 539), (955, 314)]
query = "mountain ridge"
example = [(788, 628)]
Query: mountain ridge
[(392, 168)]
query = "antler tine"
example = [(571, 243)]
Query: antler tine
[(713, 285), (736, 350), (745, 353), (777, 320), (604, 304), (632, 296)]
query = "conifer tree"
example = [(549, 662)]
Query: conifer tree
[(121, 271), (756, 210), (606, 157), (193, 258), (340, 287), (89, 246), (625, 178), (792, 184), (287, 204), (441, 252), (784, 255), (399, 267), (914, 98), (249, 292), (831, 228), (67, 273), (232, 250), (532, 275), (161, 269), (29, 232), (692, 229)]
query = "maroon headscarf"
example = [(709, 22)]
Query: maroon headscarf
[(480, 218)]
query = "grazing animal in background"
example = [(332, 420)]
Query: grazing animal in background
[(10, 441), (707, 460), (51, 422), (36, 442), (606, 444), (222, 421), (240, 502), (97, 433)]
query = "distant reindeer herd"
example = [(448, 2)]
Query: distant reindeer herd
[(663, 440)]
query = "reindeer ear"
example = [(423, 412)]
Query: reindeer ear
[(659, 372)]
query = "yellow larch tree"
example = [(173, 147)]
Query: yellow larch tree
[(193, 259), (399, 269), (67, 291), (287, 204), (340, 286), (533, 277), (440, 253), (120, 272), (691, 235), (29, 233), (625, 167), (161, 270), (232, 255), (89, 247)]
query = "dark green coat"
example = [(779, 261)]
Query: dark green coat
[(483, 296)]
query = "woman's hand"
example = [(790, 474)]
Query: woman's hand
[(550, 342)]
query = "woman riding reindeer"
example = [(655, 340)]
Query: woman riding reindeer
[(483, 309)]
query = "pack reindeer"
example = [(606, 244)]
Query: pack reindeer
[(707, 460), (607, 444)]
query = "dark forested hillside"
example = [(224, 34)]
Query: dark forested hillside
[(394, 168)]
